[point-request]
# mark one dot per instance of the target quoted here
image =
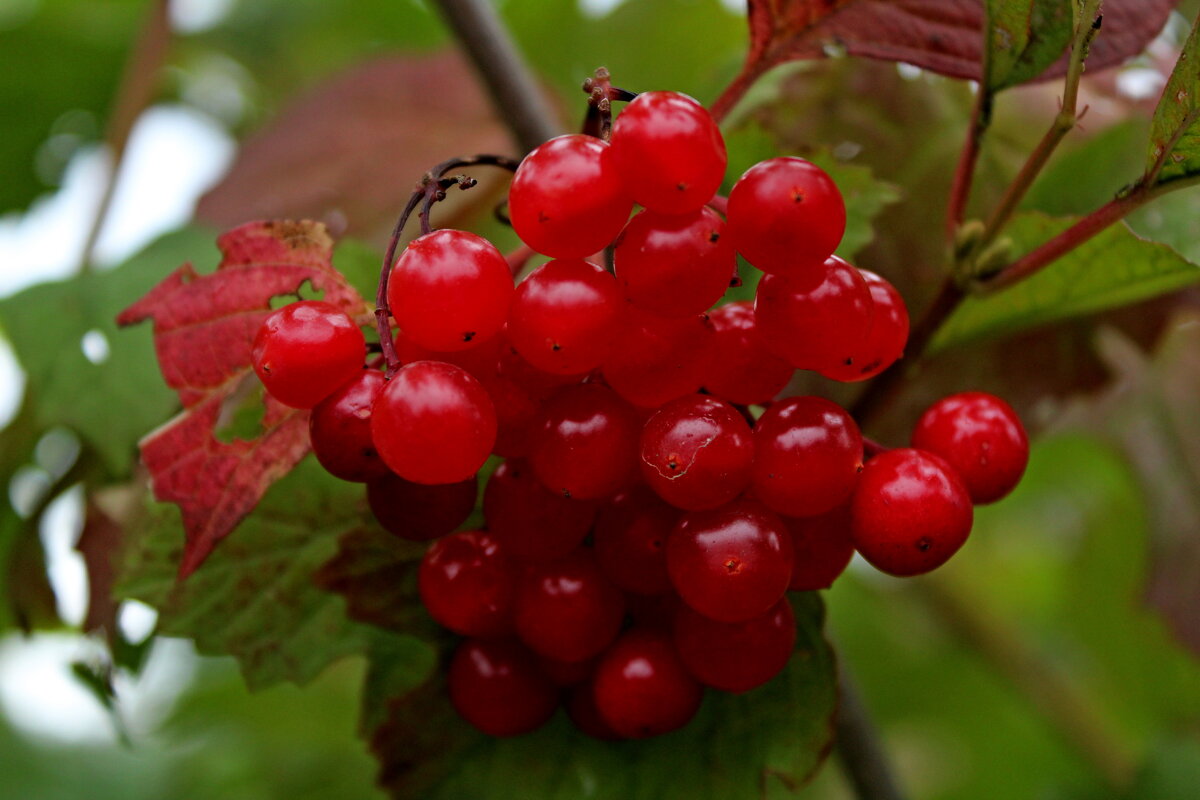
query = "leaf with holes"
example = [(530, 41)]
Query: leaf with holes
[(738, 746), (204, 328), (1175, 133)]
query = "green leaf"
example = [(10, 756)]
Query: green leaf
[(254, 598), (739, 746), (1024, 37), (1113, 269), (1174, 134), (112, 403)]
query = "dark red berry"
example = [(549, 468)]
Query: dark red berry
[(581, 708), (885, 340), (467, 585), (533, 523), (641, 687), (674, 265), (305, 351), (340, 430), (910, 512), (566, 609), (787, 216), (730, 564), (567, 200), (981, 437), (736, 656), (740, 369), (669, 152), (420, 512), (808, 453), (823, 548), (630, 540), (586, 444), (496, 686), (696, 452)]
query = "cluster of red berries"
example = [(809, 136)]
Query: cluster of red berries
[(647, 522)]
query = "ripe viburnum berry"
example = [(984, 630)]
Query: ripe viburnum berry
[(981, 437), (304, 351)]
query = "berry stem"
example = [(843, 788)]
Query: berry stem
[(601, 95), (431, 188), (872, 448), (859, 747), (964, 173)]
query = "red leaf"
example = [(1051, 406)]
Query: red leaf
[(943, 36), (204, 327)]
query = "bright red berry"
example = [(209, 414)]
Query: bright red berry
[(340, 429), (736, 656), (433, 423), (586, 444), (467, 584), (497, 687), (696, 452), (450, 290), (808, 453), (566, 609), (420, 512), (910, 512), (669, 152), (305, 351), (884, 342), (567, 200), (730, 564), (654, 360), (676, 265), (642, 689), (981, 437), (786, 215), (740, 368)]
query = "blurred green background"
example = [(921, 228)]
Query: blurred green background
[(1055, 657)]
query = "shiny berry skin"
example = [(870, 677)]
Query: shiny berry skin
[(467, 585), (581, 708), (642, 689), (305, 351), (564, 315), (823, 548), (674, 265), (910, 512), (630, 540), (496, 686), (730, 564), (669, 152), (786, 216), (981, 437), (420, 512), (696, 452), (740, 369), (735, 656), (340, 430), (654, 360), (885, 341), (566, 609), (532, 522), (808, 453), (567, 199), (433, 423), (586, 443), (819, 325), (449, 290)]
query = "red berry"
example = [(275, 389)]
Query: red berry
[(467, 584), (808, 453), (823, 548), (910, 512), (696, 452), (533, 523), (786, 216), (581, 708), (641, 687), (654, 359), (674, 265), (566, 609), (586, 444), (819, 325), (669, 152), (340, 429), (564, 316), (736, 656), (884, 342), (631, 539), (420, 512), (981, 437), (433, 423), (567, 200), (497, 687), (730, 564), (450, 290), (740, 369), (305, 351)]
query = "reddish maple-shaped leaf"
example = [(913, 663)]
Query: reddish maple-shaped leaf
[(204, 327), (945, 36)]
